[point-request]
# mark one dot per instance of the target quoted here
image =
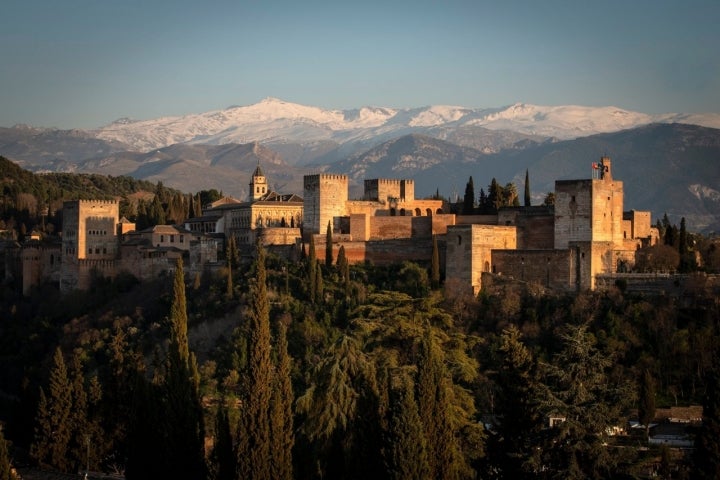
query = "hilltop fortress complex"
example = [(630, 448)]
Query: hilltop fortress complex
[(586, 234)]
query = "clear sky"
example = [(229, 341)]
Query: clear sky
[(85, 63)]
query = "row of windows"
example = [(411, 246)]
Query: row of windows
[(172, 238), (97, 250), (97, 232)]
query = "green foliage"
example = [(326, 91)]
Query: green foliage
[(469, 198), (53, 431), (646, 399), (435, 265), (407, 449), (253, 450), (281, 414)]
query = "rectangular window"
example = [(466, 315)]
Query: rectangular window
[(182, 238), (172, 238)]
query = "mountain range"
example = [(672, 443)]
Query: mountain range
[(669, 162)]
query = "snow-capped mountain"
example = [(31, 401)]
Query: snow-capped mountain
[(274, 121)]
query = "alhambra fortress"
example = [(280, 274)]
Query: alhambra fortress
[(571, 246)]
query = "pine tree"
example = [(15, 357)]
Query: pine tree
[(328, 246), (469, 198), (527, 188), (5, 467), (435, 265), (406, 446), (281, 420), (53, 428), (434, 407), (253, 452)]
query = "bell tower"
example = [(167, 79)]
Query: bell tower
[(258, 185)]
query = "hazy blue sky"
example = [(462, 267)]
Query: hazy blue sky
[(85, 63)]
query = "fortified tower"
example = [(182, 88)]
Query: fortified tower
[(89, 234), (258, 185), (325, 196), (589, 221)]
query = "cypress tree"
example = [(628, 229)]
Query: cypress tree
[(319, 286), (406, 449), (435, 265), (312, 266), (281, 420), (77, 448), (646, 400), (186, 433), (53, 428), (469, 198), (253, 452), (344, 269), (434, 407), (527, 188), (5, 468), (328, 246), (222, 454), (494, 197)]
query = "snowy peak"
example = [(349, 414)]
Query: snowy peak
[(277, 121)]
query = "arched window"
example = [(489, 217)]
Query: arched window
[(429, 212), (418, 212)]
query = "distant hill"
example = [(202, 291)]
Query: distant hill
[(192, 168), (56, 150)]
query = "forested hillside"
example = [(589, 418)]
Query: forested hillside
[(30, 201), (324, 370)]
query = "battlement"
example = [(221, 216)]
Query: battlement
[(90, 202), (313, 179)]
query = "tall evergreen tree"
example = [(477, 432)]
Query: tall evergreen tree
[(406, 444), (494, 197), (435, 265), (434, 406), (312, 267), (344, 270), (281, 420), (253, 452), (53, 425), (646, 400), (186, 431), (77, 448), (527, 188), (469, 198), (223, 458), (518, 406), (328, 245)]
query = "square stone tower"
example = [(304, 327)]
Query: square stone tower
[(324, 198), (589, 220), (89, 233)]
